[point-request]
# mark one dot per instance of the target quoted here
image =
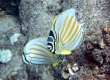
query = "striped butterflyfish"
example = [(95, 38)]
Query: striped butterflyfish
[(66, 33), (36, 52)]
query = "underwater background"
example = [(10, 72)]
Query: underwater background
[(24, 20)]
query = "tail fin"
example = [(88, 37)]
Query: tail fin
[(83, 26)]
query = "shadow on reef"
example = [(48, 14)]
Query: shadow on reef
[(10, 7)]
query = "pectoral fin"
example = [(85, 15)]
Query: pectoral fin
[(55, 64), (66, 52)]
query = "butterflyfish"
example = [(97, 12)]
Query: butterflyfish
[(36, 52), (66, 33)]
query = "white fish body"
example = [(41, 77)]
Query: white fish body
[(36, 52)]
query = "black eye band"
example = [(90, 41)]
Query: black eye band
[(50, 39), (51, 34)]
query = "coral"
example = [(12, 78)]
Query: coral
[(106, 35), (94, 51), (69, 70), (5, 56), (98, 56), (13, 75), (14, 38)]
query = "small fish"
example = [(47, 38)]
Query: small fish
[(66, 33), (36, 52)]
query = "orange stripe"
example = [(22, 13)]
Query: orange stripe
[(70, 31), (36, 54), (37, 49), (75, 39), (37, 58), (67, 27), (40, 46), (74, 32), (49, 55), (63, 25)]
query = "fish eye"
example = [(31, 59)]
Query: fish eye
[(51, 33), (49, 48)]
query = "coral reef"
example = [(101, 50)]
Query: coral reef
[(35, 19)]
